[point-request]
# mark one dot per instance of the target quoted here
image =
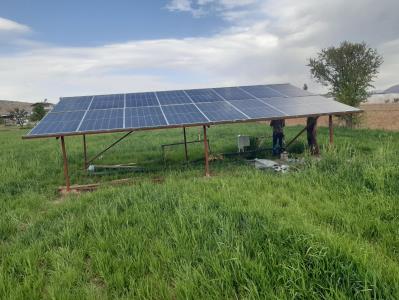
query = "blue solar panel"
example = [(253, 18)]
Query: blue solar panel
[(108, 101), (203, 95), (73, 103), (140, 117), (141, 99), (183, 114), (261, 91), (256, 109), (296, 100), (220, 111), (62, 122), (172, 97), (232, 93), (76, 115), (102, 119), (289, 90), (307, 105)]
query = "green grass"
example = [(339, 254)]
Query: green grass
[(327, 231)]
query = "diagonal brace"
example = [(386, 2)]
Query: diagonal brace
[(297, 136), (109, 147)]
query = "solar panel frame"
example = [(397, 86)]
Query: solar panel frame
[(261, 91), (221, 111), (145, 116), (254, 108), (184, 114), (73, 104), (232, 93), (102, 120), (141, 99), (173, 97), (289, 90), (147, 111), (58, 122), (203, 95), (107, 102)]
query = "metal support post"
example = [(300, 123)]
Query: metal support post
[(331, 129), (84, 152), (64, 156), (206, 153), (185, 144)]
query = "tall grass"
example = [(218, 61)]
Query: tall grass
[(329, 230)]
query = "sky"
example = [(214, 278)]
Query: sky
[(50, 49)]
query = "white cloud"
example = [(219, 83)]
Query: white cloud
[(10, 26), (180, 5), (184, 6), (265, 42)]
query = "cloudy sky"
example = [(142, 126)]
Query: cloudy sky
[(51, 48)]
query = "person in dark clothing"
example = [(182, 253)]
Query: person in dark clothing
[(278, 135), (311, 128)]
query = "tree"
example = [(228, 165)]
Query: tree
[(19, 115), (38, 112), (348, 71)]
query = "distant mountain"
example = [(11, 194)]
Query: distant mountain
[(392, 90), (6, 106)]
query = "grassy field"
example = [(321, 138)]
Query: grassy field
[(329, 230)]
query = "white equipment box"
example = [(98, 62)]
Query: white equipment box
[(242, 142)]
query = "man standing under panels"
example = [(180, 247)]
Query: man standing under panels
[(278, 135)]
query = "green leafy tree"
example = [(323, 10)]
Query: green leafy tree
[(19, 115), (348, 71), (38, 112)]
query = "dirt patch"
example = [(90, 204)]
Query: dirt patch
[(375, 116)]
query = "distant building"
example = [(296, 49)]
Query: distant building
[(47, 105), (7, 119)]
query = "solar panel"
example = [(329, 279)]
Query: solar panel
[(141, 99), (289, 90), (203, 95), (173, 97), (220, 111), (257, 109), (141, 117), (232, 93), (183, 114), (123, 112), (60, 122), (262, 91), (102, 119), (73, 103), (306, 105), (108, 101)]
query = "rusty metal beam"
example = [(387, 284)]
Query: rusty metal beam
[(185, 144), (109, 147), (65, 159), (84, 153), (296, 137), (331, 129), (207, 174)]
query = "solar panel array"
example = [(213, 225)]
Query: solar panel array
[(101, 113)]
